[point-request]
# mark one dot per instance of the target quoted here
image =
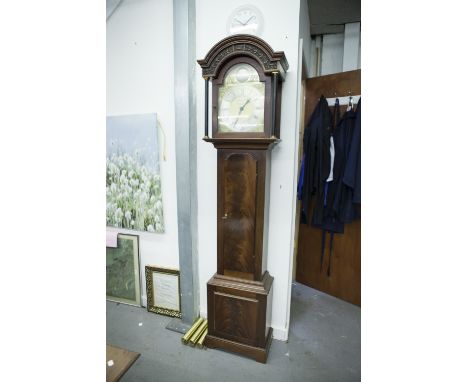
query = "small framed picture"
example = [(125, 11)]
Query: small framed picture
[(123, 271), (163, 290)]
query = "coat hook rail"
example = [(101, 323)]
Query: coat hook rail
[(343, 100)]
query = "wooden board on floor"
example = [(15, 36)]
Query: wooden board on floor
[(345, 279), (122, 359)]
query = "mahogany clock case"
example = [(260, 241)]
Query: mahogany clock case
[(243, 178), (240, 293)]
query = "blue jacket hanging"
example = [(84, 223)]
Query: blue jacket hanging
[(352, 173), (315, 166), (335, 199)]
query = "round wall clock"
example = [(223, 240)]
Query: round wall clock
[(245, 19)]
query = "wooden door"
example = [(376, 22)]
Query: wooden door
[(344, 281), (241, 189)]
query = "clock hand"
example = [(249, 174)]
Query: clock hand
[(240, 22), (244, 105), (241, 109), (250, 18)]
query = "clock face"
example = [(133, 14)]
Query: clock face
[(245, 19), (241, 101)]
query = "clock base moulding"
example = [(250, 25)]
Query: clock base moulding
[(257, 353), (240, 315)]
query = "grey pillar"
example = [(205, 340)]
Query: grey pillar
[(186, 160)]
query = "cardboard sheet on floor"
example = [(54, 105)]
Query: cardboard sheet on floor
[(122, 360)]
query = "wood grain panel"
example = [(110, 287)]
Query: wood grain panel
[(345, 279), (332, 85), (122, 360), (234, 316), (238, 222)]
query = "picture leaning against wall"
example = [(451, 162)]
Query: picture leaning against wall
[(133, 180), (123, 271)]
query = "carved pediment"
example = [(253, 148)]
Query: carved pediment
[(243, 45)]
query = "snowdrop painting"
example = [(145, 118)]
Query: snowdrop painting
[(133, 181)]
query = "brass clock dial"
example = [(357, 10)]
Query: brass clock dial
[(241, 101)]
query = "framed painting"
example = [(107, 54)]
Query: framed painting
[(133, 180), (123, 271), (163, 291)]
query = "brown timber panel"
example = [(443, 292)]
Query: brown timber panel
[(345, 279), (235, 318), (123, 359), (332, 85), (239, 210)]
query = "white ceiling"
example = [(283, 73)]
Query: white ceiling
[(329, 16)]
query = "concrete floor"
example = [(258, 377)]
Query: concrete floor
[(324, 345)]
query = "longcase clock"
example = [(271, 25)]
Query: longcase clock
[(246, 76)]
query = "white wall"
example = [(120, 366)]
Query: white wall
[(304, 33), (140, 79), (351, 46), (332, 53), (314, 51), (341, 51), (281, 31)]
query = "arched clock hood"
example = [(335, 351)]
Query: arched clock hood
[(243, 45)]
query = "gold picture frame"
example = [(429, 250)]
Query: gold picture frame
[(163, 291)]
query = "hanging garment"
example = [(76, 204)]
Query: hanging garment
[(332, 159), (335, 183), (333, 221), (352, 174), (322, 254), (350, 189), (341, 204), (336, 115), (330, 221), (315, 167), (300, 183)]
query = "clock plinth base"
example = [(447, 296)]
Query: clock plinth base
[(258, 354), (239, 315)]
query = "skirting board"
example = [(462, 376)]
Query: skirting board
[(280, 334)]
